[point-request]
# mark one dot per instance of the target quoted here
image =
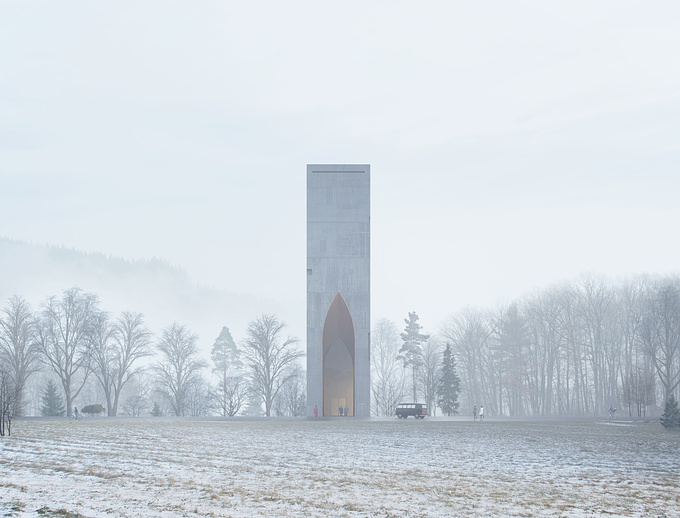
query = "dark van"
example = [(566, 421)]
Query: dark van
[(417, 410)]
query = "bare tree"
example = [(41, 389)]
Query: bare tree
[(18, 348), (64, 337), (271, 360), (31, 395), (517, 363), (179, 366), (199, 399), (575, 398), (227, 364), (291, 399), (469, 333), (138, 393), (135, 405), (594, 299), (387, 375), (8, 400), (116, 349), (542, 317), (573, 349), (103, 355), (661, 336), (632, 297), (637, 391), (231, 395), (431, 354)]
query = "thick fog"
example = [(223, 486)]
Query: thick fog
[(511, 145), (524, 207)]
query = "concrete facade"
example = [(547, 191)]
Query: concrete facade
[(338, 289)]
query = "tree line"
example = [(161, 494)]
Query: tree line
[(412, 366), (574, 349), (82, 348)]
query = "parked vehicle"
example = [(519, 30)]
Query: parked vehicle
[(417, 410)]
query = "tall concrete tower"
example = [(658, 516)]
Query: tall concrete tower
[(338, 289)]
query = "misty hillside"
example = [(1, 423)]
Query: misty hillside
[(163, 293)]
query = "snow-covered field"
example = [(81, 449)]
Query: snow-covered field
[(339, 467)]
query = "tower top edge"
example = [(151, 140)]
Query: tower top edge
[(336, 167)]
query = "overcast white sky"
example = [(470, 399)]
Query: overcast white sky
[(512, 144)]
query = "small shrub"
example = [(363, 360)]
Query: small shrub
[(134, 406), (96, 409)]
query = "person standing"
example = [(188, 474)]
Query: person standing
[(481, 413), (340, 410), (474, 413), (346, 411)]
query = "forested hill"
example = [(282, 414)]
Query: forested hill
[(163, 293)]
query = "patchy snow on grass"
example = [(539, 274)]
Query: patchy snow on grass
[(339, 467)]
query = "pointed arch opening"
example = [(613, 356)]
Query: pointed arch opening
[(338, 359)]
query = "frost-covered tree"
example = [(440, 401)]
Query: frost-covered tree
[(637, 390), (468, 333), (594, 302), (52, 402), (388, 382), (18, 348), (134, 406), (231, 395), (431, 354), (291, 401), (137, 396), (271, 359), (116, 348), (102, 354), (449, 384), (661, 336), (64, 338), (199, 398), (671, 413), (410, 352), (179, 367), (8, 400)]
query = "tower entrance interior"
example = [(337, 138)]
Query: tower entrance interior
[(338, 359)]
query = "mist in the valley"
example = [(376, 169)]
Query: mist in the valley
[(162, 293)]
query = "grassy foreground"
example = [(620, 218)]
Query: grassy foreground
[(340, 467)]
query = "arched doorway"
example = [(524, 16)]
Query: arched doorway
[(338, 359)]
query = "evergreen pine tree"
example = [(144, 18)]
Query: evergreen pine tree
[(410, 353), (52, 402), (225, 357), (449, 384), (671, 413), (156, 411)]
